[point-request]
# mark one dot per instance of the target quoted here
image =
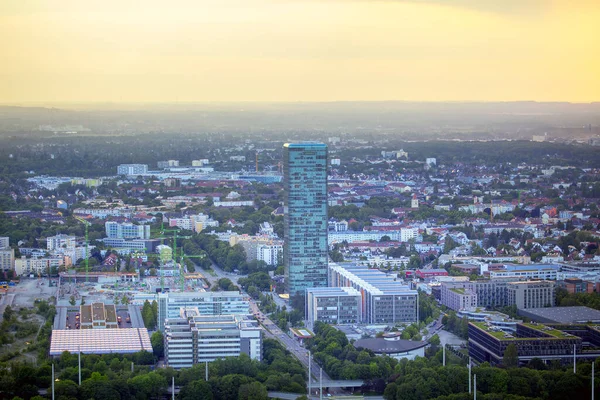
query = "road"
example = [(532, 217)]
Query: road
[(270, 328)]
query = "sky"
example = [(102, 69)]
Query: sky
[(299, 50)]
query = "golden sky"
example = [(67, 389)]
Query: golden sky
[(299, 50)]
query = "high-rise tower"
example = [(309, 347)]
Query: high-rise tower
[(305, 221)]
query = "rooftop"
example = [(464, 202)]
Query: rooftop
[(562, 315), (100, 341), (380, 345)]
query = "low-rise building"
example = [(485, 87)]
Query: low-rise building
[(488, 342)]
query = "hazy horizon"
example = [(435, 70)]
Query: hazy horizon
[(299, 51)]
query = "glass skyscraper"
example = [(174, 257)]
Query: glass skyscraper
[(305, 221)]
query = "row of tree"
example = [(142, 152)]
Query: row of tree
[(111, 377)]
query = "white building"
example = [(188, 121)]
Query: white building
[(333, 305), (60, 242), (127, 230), (207, 303), (37, 266), (457, 297), (4, 242), (194, 338), (384, 300), (132, 169)]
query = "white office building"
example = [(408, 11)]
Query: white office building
[(207, 303), (194, 338), (333, 305), (384, 300)]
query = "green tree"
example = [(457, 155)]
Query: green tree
[(253, 391), (158, 344), (196, 390), (72, 300)]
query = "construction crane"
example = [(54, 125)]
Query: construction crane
[(174, 254), (87, 255), (181, 268)]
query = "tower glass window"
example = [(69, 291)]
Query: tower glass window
[(305, 220)]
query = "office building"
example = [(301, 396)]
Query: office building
[(488, 342), (207, 303), (305, 220), (116, 230), (384, 300), (531, 294), (333, 305), (562, 315), (193, 338), (132, 169)]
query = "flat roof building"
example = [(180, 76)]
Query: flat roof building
[(488, 342), (562, 315), (384, 300), (193, 338), (100, 341), (207, 303), (335, 305)]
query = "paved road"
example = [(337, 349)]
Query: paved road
[(272, 330)]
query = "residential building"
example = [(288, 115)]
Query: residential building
[(333, 305), (126, 230), (457, 297), (194, 338), (132, 169), (4, 242), (60, 242), (262, 248), (305, 221), (7, 259), (384, 300), (207, 303), (37, 266), (531, 294)]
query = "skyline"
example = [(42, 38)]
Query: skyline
[(300, 51)]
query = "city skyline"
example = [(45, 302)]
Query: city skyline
[(267, 50)]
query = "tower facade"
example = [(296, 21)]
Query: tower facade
[(305, 220)]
